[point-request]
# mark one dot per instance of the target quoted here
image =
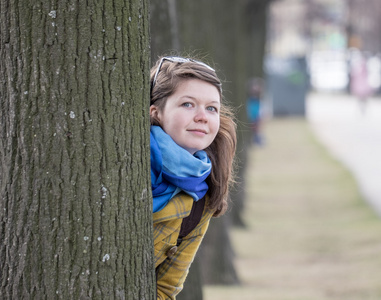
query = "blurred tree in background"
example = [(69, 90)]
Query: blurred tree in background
[(364, 25), (231, 36)]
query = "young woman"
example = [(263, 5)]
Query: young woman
[(193, 142)]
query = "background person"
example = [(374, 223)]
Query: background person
[(253, 108)]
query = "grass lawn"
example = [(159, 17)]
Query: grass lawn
[(309, 235)]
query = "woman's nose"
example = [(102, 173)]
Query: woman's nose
[(201, 115)]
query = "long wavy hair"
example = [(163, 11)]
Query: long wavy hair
[(222, 150)]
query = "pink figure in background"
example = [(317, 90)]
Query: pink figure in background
[(359, 85)]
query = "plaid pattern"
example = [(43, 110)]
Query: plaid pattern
[(172, 271)]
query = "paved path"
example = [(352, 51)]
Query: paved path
[(353, 137)]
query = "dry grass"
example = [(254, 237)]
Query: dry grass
[(309, 234)]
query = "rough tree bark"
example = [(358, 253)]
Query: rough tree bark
[(75, 206)]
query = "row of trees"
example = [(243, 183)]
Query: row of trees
[(75, 201)]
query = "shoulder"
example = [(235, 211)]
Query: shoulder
[(167, 224), (178, 207)]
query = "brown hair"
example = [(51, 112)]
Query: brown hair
[(221, 151)]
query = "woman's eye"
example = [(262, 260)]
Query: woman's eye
[(187, 104), (212, 108)]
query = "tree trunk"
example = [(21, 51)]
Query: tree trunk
[(193, 285), (162, 37), (231, 36), (251, 21), (217, 255), (75, 207)]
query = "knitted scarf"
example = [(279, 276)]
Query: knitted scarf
[(174, 169)]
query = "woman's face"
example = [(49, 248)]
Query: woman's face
[(191, 115)]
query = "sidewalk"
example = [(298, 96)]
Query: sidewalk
[(309, 235), (353, 137)]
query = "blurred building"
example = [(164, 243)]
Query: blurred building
[(323, 31)]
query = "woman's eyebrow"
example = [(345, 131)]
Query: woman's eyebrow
[(196, 99)]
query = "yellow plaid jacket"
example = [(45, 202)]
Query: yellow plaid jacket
[(172, 264)]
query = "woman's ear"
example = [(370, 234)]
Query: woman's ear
[(154, 113)]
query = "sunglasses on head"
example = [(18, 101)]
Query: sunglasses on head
[(176, 59)]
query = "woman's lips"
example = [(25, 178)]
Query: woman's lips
[(198, 131)]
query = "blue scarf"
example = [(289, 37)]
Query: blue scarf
[(174, 169)]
